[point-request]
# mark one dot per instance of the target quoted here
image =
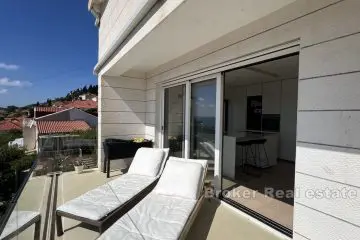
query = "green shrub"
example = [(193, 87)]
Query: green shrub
[(9, 154), (6, 137), (12, 162), (89, 134)]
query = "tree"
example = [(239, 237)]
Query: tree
[(11, 108), (49, 102), (93, 89), (92, 111), (13, 163), (84, 90), (6, 137)]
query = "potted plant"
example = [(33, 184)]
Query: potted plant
[(78, 165)]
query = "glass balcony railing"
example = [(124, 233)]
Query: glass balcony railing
[(32, 182)]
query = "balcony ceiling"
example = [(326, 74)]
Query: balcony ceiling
[(191, 25)]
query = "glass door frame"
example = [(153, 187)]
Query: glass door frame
[(218, 119), (162, 130), (217, 71)]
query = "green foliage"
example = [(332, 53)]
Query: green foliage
[(92, 111), (49, 102), (9, 154), (12, 162), (15, 111), (15, 159), (89, 134), (93, 89), (11, 108), (74, 94), (6, 137), (23, 163)]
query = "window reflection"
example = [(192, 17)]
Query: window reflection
[(203, 110), (174, 120)]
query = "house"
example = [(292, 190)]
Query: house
[(255, 86), (81, 104), (43, 111), (64, 121), (57, 104), (88, 96), (9, 125)]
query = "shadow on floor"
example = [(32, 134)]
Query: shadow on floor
[(202, 224), (82, 225), (279, 177)]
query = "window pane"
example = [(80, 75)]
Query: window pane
[(174, 120), (203, 102)]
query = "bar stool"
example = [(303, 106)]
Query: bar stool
[(246, 148), (257, 143)]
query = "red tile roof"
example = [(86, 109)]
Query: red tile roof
[(7, 125), (16, 120), (49, 109), (48, 127), (81, 104)]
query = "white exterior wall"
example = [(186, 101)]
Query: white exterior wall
[(122, 112), (118, 19), (30, 137), (328, 130), (76, 114), (150, 110)]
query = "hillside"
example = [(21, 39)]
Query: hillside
[(15, 111)]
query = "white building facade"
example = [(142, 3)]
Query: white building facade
[(148, 46)]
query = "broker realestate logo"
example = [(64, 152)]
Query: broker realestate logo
[(326, 193)]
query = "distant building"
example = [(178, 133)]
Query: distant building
[(10, 125), (43, 111), (56, 121), (81, 104), (88, 96), (58, 104)]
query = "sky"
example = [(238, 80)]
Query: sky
[(47, 48)]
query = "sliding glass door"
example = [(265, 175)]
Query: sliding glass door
[(174, 107), (191, 122), (203, 119)]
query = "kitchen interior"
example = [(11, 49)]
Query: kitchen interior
[(259, 137)]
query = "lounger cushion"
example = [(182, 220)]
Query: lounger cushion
[(17, 220), (147, 162), (100, 201), (181, 178), (155, 217)]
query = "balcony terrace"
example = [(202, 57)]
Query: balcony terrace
[(49, 187)]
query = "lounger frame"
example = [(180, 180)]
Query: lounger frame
[(36, 221), (196, 209), (105, 222), (192, 218)]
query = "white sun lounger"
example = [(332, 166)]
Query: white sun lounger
[(19, 221), (111, 200), (169, 210)]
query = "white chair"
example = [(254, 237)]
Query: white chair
[(114, 198), (169, 210)]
